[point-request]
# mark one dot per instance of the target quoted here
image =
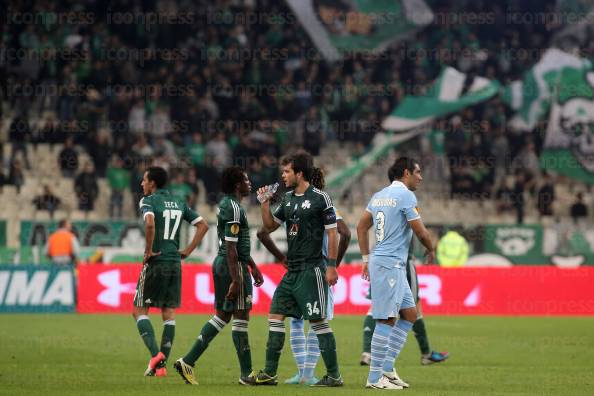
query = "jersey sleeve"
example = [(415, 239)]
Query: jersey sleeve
[(279, 213), (328, 213), (146, 207), (230, 215), (409, 207), (190, 215)]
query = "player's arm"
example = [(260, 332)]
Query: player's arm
[(264, 237), (256, 274), (149, 235), (329, 220), (201, 230), (425, 237), (271, 221), (365, 223), (344, 238), (233, 265)]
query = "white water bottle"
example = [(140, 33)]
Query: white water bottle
[(270, 190)]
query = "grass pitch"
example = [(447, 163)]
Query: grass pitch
[(103, 355)]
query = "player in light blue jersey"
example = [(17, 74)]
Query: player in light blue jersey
[(394, 215), (306, 350)]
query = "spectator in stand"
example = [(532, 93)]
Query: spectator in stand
[(62, 246), (218, 149), (504, 196), (2, 177), (86, 188), (313, 131), (518, 196), (47, 201), (119, 182), (16, 176), (197, 152), (546, 196), (68, 158), (100, 152), (179, 188), (579, 210), (20, 135)]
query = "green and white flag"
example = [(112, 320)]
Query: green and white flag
[(339, 26), (569, 143), (446, 96), (531, 97)]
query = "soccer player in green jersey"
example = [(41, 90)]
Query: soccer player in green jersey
[(303, 290), (159, 284), (306, 350), (232, 279)]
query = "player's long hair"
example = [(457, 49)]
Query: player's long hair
[(231, 176), (317, 178)]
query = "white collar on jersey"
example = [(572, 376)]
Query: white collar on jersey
[(398, 183)]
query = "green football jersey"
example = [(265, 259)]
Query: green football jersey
[(168, 211), (306, 218), (232, 225)]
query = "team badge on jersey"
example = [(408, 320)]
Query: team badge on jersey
[(306, 204)]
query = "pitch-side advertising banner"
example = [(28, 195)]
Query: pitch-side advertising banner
[(30, 288), (518, 290)]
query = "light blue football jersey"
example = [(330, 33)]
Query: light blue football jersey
[(392, 208)]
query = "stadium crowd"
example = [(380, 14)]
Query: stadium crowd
[(194, 86)]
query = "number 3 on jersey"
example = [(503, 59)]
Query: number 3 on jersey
[(380, 219), (169, 215)]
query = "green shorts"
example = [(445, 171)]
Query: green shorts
[(302, 294), (159, 285), (222, 281), (413, 279)]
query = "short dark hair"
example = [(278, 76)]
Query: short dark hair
[(158, 175), (231, 176), (301, 161), (401, 164), (317, 178), (62, 223)]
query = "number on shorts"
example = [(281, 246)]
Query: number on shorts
[(313, 309), (169, 215), (380, 218)]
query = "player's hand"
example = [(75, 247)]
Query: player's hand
[(365, 271), (331, 275), (185, 253), (149, 255), (233, 291), (262, 191), (257, 275), (430, 257)]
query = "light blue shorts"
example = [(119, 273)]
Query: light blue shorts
[(390, 291)]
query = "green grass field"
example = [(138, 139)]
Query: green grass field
[(103, 354)]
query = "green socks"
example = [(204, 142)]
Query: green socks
[(368, 328), (167, 336), (421, 335), (145, 328), (208, 332), (274, 346), (239, 333), (327, 344)]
